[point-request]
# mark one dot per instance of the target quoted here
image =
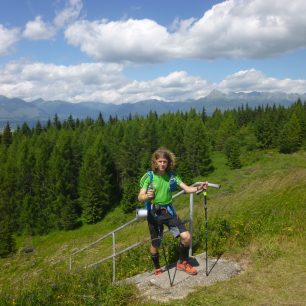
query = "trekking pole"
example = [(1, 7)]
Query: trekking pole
[(164, 253), (206, 219), (167, 264), (206, 228)]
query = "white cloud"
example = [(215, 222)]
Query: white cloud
[(249, 29), (38, 29), (231, 29), (107, 83), (130, 40), (84, 82), (253, 80), (8, 38), (179, 25), (176, 86), (68, 14)]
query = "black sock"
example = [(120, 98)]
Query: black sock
[(155, 259), (184, 252)]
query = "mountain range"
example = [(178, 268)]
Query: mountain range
[(17, 111)]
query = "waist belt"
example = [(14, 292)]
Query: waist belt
[(163, 209)]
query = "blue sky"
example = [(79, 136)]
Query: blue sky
[(130, 50)]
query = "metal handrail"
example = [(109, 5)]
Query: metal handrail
[(112, 233)]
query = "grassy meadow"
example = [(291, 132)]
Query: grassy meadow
[(257, 218)]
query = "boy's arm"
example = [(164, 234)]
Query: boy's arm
[(145, 195), (191, 189)]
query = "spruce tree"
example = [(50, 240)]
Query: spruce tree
[(95, 186), (264, 129), (56, 122), (100, 121), (7, 241), (8, 185), (130, 164), (34, 203), (176, 129), (204, 115), (232, 152), (38, 128), (228, 128), (300, 110), (291, 137), (197, 148), (7, 137), (148, 136), (25, 162), (25, 129), (63, 168)]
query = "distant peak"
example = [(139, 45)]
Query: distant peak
[(216, 93)]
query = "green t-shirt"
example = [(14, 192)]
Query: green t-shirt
[(162, 194)]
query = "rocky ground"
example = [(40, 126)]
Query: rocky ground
[(160, 287)]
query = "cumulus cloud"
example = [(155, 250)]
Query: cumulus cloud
[(107, 83), (129, 40), (254, 80), (84, 82), (231, 29), (38, 29), (94, 82), (249, 29), (8, 38), (176, 86)]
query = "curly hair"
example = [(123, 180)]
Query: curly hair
[(163, 153)]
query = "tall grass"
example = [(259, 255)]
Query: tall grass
[(83, 288)]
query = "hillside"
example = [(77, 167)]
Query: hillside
[(257, 218)]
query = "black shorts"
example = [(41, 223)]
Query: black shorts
[(174, 224)]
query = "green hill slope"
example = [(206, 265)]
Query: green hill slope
[(257, 217)]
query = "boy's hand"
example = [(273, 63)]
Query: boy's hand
[(205, 185), (202, 186), (150, 194)]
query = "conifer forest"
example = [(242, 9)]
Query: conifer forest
[(63, 174)]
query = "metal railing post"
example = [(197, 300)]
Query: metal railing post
[(190, 221), (114, 257)]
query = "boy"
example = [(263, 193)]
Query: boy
[(161, 211)]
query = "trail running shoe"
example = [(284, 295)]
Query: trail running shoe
[(186, 267), (158, 272)]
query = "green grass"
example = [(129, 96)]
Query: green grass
[(257, 217)]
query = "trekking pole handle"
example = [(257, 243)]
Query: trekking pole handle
[(218, 186)]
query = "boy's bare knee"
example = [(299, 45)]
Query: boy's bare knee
[(185, 238), (153, 250)]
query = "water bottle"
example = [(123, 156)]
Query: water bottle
[(151, 188)]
